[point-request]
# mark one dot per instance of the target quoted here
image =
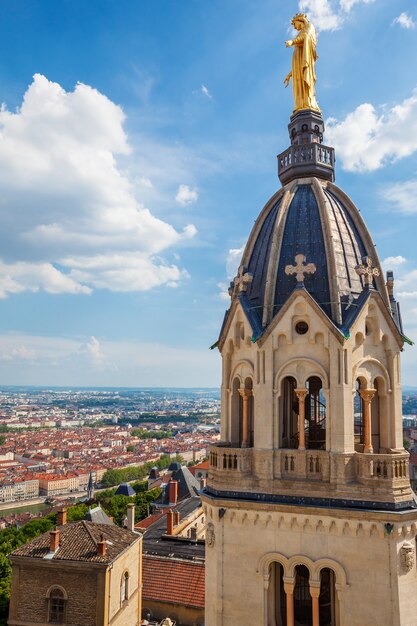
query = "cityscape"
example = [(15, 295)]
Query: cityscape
[(53, 439), (208, 391)]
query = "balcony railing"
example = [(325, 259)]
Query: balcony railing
[(227, 459), (306, 160), (376, 467), (360, 476)]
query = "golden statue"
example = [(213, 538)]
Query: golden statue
[(303, 72)]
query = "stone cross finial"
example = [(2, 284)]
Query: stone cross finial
[(367, 271), (240, 282), (299, 269)]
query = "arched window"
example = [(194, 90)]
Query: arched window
[(236, 415), (302, 597), (359, 427), (289, 414), (315, 413), (124, 587), (327, 598), (277, 602), (56, 606), (251, 421)]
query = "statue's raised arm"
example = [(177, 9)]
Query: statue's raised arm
[(303, 72)]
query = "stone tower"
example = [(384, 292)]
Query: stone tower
[(310, 516)]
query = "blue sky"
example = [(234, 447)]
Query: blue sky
[(138, 143)]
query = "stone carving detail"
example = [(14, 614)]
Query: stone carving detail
[(240, 282), (367, 270), (407, 557), (300, 268), (210, 536)]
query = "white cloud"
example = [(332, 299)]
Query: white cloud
[(393, 261), (322, 13), (402, 196), (204, 90), (22, 276), (347, 5), (366, 139), (329, 14), (405, 21), (233, 260), (67, 208), (19, 353), (224, 292), (92, 352), (39, 360), (186, 195)]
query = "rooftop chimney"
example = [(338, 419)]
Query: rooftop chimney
[(173, 491), (62, 517), (54, 540), (131, 516), (170, 523), (101, 546), (177, 518)]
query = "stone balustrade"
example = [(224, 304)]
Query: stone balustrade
[(365, 476), (306, 160), (228, 459), (371, 468)]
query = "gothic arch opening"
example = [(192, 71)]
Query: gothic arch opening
[(315, 414)]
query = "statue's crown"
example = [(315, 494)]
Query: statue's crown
[(300, 16)]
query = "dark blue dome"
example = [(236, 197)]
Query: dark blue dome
[(314, 218)]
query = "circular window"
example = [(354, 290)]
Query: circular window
[(301, 328)]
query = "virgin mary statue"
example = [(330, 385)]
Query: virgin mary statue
[(303, 72)]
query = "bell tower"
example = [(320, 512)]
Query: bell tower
[(309, 509)]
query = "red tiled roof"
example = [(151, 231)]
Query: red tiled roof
[(174, 581), (148, 521), (204, 465)]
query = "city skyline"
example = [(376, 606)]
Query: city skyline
[(138, 145)]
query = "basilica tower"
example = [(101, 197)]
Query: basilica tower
[(311, 519)]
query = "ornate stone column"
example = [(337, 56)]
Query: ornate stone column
[(246, 394), (315, 593), (289, 584), (301, 395), (367, 396)]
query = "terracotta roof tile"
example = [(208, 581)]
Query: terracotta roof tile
[(174, 581), (78, 542)]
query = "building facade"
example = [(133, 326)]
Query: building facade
[(15, 490), (310, 515), (81, 574)]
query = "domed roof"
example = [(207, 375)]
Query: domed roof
[(315, 219), (309, 236)]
